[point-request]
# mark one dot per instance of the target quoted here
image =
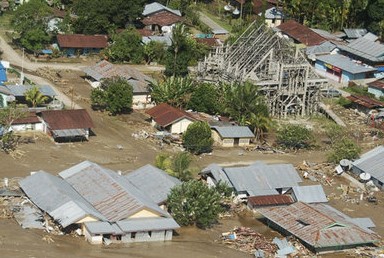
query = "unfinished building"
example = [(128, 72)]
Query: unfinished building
[(269, 60)]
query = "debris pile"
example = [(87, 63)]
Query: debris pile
[(321, 173), (247, 240)]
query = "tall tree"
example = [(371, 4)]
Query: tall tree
[(197, 138), (205, 98), (30, 21), (34, 97)]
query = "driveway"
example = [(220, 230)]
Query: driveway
[(212, 24)]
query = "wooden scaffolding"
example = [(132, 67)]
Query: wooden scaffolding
[(270, 61)]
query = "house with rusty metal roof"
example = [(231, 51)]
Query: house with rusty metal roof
[(80, 44), (156, 183), (364, 103), (66, 125), (156, 16), (300, 33), (104, 205), (139, 81), (171, 119), (319, 227), (269, 200), (371, 163), (376, 88), (258, 179)]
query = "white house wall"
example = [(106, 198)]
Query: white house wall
[(180, 126), (28, 127), (378, 93)]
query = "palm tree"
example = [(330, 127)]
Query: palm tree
[(179, 35), (34, 97)]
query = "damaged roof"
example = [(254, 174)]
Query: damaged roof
[(309, 193), (318, 225), (156, 183), (365, 101), (270, 200)]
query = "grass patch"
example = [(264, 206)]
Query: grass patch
[(218, 20)]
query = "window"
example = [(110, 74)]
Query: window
[(133, 235)]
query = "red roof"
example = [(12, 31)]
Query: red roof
[(378, 84), (258, 5), (365, 101), (30, 118), (67, 119), (267, 200), (162, 18), (301, 33), (164, 114), (211, 42), (82, 41)]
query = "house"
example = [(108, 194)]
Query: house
[(80, 44), (342, 69), (273, 16), (67, 125), (319, 227), (309, 194), (364, 104), (365, 51), (168, 118), (156, 183), (371, 162), (140, 82), (258, 179), (157, 16), (300, 34), (30, 122), (325, 48), (104, 205), (376, 88), (230, 136), (11, 93), (3, 74), (351, 34)]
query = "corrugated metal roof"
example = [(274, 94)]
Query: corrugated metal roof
[(67, 119), (82, 41), (365, 49), (261, 178), (112, 195), (324, 48), (69, 133), (355, 33), (19, 90), (162, 18), (378, 84), (165, 39), (310, 193), (234, 131), (156, 183), (345, 63), (147, 224), (164, 114), (372, 162), (365, 101), (102, 227), (300, 33), (217, 172), (371, 37), (156, 7), (363, 222), (318, 225), (56, 197), (267, 200)]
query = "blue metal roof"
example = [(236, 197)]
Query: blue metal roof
[(345, 63), (3, 74)]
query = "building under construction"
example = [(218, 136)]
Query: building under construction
[(270, 61)]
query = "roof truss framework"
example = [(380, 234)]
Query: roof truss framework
[(262, 56)]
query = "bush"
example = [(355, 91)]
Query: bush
[(295, 137), (194, 203), (198, 138), (343, 149)]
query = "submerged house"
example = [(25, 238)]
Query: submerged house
[(66, 125), (104, 205), (258, 179), (320, 227), (140, 82), (372, 163), (168, 118), (80, 44)]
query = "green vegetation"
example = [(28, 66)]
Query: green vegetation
[(115, 95), (194, 203), (177, 166), (295, 137), (8, 141), (198, 138), (34, 97), (344, 148), (205, 98)]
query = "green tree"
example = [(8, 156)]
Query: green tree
[(197, 138), (100, 16), (374, 17), (194, 203), (30, 22), (178, 56), (177, 166), (8, 141), (334, 132), (34, 97), (295, 137), (115, 95), (126, 47), (344, 148), (205, 98), (176, 91), (154, 51)]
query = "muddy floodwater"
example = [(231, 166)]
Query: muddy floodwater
[(188, 243)]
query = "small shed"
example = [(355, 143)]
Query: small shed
[(67, 125), (30, 122), (269, 200), (364, 103), (231, 136)]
